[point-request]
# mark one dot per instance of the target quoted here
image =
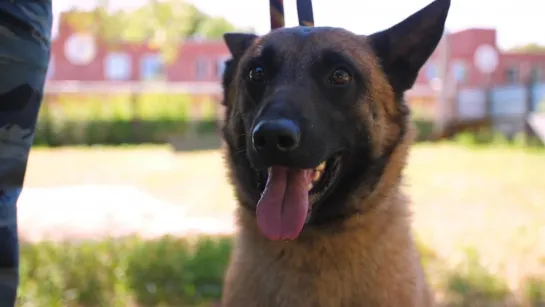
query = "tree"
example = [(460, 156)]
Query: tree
[(529, 48), (163, 24), (213, 28)]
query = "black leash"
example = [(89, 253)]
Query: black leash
[(304, 13)]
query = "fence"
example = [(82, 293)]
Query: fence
[(126, 112), (76, 112), (506, 108)]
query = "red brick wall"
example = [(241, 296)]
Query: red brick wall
[(463, 45), (183, 68), (200, 60)]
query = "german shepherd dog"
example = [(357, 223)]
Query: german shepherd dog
[(317, 134)]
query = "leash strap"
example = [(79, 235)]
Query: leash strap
[(277, 14), (304, 13)]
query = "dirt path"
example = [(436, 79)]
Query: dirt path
[(93, 211)]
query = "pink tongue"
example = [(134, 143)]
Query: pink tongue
[(282, 209)]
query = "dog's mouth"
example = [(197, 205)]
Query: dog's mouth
[(289, 194)]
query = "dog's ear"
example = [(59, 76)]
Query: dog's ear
[(404, 48), (237, 43)]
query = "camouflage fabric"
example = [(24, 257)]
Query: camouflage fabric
[(25, 31)]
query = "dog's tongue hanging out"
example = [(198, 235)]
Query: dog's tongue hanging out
[(282, 209)]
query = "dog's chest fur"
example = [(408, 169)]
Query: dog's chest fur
[(374, 265)]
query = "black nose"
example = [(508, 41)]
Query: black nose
[(276, 135)]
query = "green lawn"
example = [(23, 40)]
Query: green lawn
[(488, 201)]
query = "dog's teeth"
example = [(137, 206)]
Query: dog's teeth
[(310, 186), (321, 167), (316, 176)]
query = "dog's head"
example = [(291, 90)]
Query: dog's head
[(315, 114)]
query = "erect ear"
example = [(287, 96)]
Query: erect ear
[(237, 43), (404, 48)]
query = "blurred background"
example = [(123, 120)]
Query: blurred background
[(126, 201)]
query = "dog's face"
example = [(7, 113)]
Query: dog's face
[(314, 114)]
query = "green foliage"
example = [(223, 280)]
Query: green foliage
[(534, 291), (156, 118), (163, 24), (433, 265), (471, 284), (77, 274), (529, 48), (487, 139), (424, 129), (171, 271), (121, 119), (466, 138), (214, 28), (124, 272)]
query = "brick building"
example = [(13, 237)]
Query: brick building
[(77, 56), (513, 68)]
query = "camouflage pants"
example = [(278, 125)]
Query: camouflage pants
[(25, 31)]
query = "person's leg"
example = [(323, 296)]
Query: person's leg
[(25, 30)]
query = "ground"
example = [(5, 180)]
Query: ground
[(491, 199)]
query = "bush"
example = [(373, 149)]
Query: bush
[(486, 138), (188, 272), (123, 272), (78, 274), (424, 129), (534, 291), (471, 284), (121, 119)]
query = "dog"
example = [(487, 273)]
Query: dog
[(317, 134)]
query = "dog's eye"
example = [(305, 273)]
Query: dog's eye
[(340, 77), (257, 74)]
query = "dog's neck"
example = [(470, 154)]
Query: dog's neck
[(372, 253), (369, 253)]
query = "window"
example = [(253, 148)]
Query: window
[(459, 71), (152, 67), (220, 65), (512, 75), (432, 71), (117, 66), (201, 68)]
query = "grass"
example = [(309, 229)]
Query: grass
[(478, 210), (125, 272)]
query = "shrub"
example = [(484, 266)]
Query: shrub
[(534, 291), (424, 128), (120, 119), (471, 284), (466, 138), (73, 274), (123, 272), (172, 272)]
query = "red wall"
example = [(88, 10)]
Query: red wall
[(209, 56), (463, 45), (183, 68)]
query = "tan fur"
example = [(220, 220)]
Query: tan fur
[(369, 259)]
